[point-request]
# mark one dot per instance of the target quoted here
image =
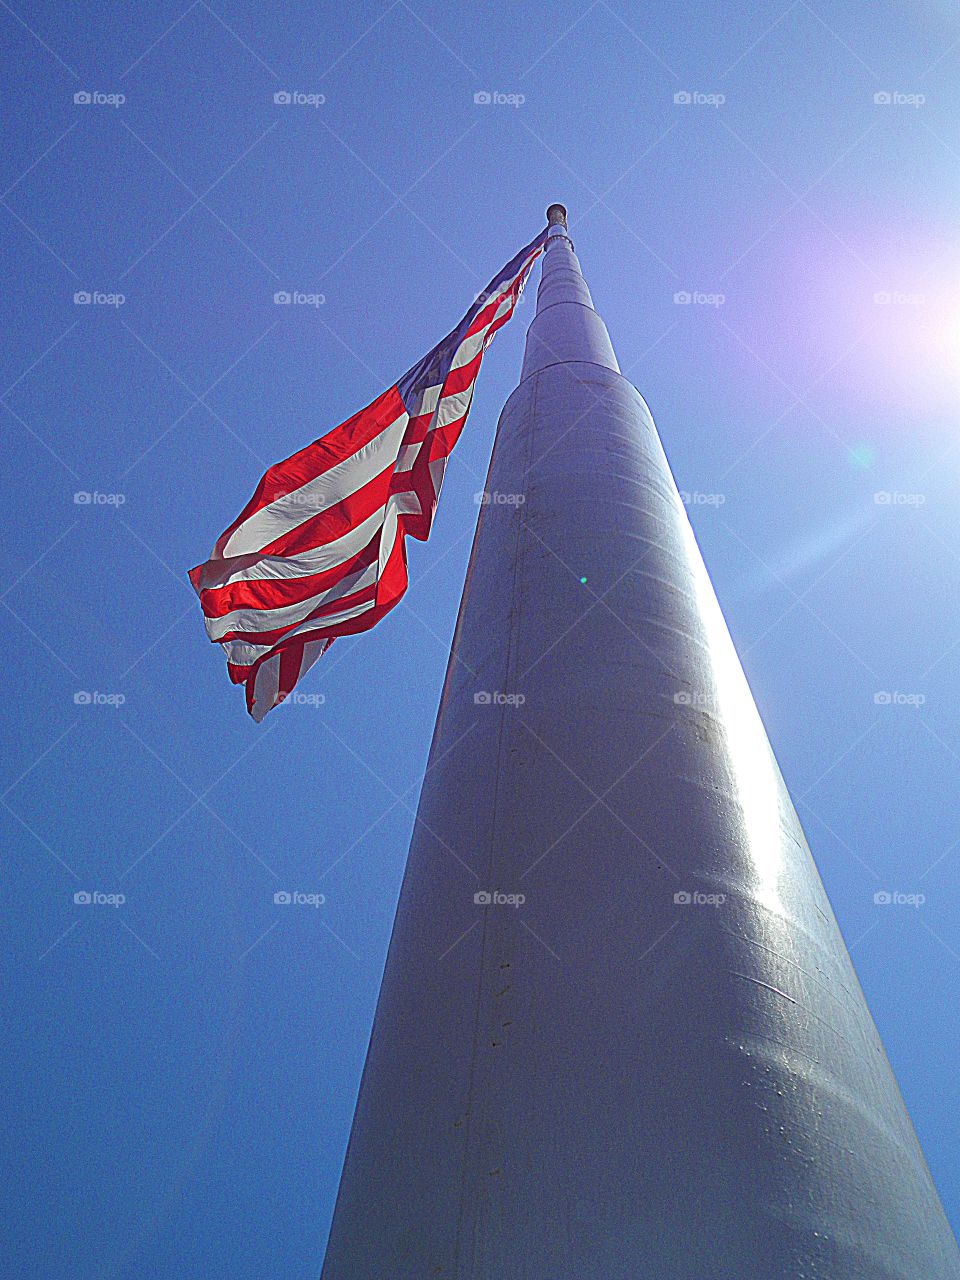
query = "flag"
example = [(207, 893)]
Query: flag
[(319, 550)]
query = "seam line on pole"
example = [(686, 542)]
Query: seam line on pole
[(594, 364), (563, 302)]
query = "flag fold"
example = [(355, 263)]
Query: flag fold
[(319, 550)]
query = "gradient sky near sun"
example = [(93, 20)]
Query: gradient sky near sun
[(186, 1064)]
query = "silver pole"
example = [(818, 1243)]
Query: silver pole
[(659, 1065)]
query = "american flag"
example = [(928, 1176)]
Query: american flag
[(319, 550)]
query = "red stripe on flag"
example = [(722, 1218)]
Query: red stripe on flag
[(284, 649), (273, 593), (290, 662), (459, 379), (331, 606), (320, 456)]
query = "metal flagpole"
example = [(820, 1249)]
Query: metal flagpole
[(619, 1034)]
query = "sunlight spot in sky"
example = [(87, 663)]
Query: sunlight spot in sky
[(862, 456), (812, 551)]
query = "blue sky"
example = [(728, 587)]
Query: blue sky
[(187, 1060)]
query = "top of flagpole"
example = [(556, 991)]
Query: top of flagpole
[(566, 328), (557, 226)]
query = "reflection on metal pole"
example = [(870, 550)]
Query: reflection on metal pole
[(619, 1035)]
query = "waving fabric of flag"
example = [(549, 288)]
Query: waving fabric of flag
[(319, 550)]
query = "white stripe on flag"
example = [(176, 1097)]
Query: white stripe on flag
[(316, 560), (266, 687), (252, 620), (240, 653), (326, 490)]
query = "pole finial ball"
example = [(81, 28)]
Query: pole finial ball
[(557, 215)]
